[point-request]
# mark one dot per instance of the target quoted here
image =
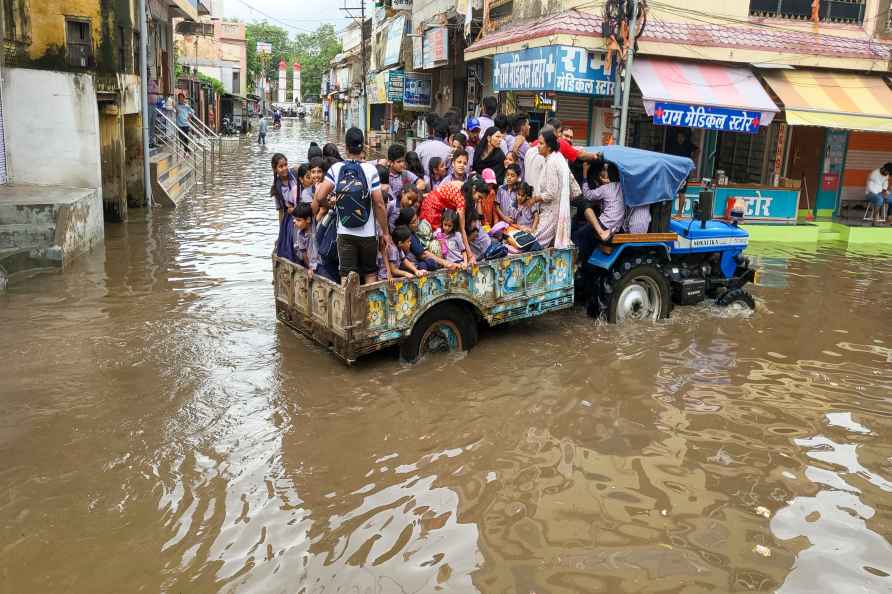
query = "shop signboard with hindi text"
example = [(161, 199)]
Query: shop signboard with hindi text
[(706, 117), (556, 68), (418, 90), (396, 84), (435, 47), (763, 204)]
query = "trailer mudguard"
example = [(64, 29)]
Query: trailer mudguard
[(604, 261)]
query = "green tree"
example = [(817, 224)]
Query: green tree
[(315, 51), (258, 64)]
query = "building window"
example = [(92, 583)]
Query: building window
[(501, 9), (79, 42), (236, 82), (830, 11)]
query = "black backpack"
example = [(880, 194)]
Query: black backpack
[(354, 202)]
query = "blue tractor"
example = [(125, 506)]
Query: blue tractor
[(680, 261)]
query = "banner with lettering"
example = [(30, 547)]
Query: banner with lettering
[(417, 90), (763, 204), (558, 68), (396, 84), (709, 118)]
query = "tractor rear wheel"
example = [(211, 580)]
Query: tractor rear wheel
[(445, 328), (636, 289)]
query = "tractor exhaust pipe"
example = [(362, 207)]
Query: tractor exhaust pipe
[(704, 207)]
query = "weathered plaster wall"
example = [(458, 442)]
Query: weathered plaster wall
[(47, 28), (79, 226), (52, 128)]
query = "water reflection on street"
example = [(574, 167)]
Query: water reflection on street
[(162, 432)]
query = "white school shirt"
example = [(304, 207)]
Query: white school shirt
[(877, 182), (371, 177)]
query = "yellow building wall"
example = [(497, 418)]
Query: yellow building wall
[(48, 24)]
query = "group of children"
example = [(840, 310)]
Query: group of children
[(417, 249)]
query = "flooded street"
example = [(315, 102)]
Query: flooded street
[(161, 431)]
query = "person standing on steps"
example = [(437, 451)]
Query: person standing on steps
[(184, 110)]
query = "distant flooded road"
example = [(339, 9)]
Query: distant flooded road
[(162, 432)]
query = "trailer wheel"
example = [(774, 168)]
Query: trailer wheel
[(736, 296), (445, 328), (636, 289)]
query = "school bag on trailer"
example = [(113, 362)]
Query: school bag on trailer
[(327, 238), (523, 241), (354, 203)]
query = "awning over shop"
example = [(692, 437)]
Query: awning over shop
[(833, 100), (709, 96)]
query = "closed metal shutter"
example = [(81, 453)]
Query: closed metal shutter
[(573, 112), (3, 177)]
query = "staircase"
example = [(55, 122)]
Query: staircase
[(176, 172), (46, 226), (172, 178)]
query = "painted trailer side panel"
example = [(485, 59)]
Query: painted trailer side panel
[(353, 319)]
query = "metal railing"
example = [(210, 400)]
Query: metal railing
[(829, 11), (212, 138), (188, 148)]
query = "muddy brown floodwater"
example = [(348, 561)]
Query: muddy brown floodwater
[(161, 432)]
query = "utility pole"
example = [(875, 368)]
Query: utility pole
[(627, 76), (365, 75), (144, 99)]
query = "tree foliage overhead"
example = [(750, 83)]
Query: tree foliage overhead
[(314, 51)]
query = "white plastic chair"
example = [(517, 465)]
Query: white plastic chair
[(870, 211)]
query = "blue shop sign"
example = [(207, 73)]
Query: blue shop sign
[(766, 205), (396, 84), (709, 118), (559, 68)]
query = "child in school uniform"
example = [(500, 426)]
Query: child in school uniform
[(506, 196), (451, 244), (483, 246), (527, 215), (393, 261), (304, 238)]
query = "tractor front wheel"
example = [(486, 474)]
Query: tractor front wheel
[(736, 297)]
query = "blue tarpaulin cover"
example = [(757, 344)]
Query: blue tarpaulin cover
[(645, 176)]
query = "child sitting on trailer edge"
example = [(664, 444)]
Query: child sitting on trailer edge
[(393, 262), (418, 253)]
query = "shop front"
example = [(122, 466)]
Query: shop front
[(723, 119), (839, 129), (561, 81)]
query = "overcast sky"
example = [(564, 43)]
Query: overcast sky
[(294, 15)]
